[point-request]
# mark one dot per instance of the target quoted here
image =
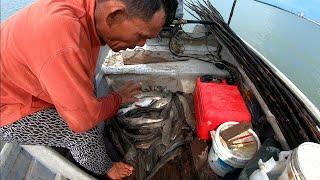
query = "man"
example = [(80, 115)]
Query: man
[(48, 56)]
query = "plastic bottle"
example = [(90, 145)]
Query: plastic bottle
[(271, 169)]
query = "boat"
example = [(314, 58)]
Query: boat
[(174, 60)]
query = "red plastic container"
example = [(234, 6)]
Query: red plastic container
[(216, 103)]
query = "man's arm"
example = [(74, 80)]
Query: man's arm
[(66, 78)]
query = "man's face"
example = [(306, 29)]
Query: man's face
[(132, 32)]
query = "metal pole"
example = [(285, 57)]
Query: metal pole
[(231, 12)]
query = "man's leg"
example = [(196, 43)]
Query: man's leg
[(47, 128)]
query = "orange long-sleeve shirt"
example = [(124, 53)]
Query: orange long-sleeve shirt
[(48, 56)]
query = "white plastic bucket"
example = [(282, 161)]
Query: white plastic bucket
[(303, 163), (221, 159)]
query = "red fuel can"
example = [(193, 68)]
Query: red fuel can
[(216, 103)]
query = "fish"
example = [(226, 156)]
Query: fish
[(145, 118), (180, 119), (155, 99), (161, 103), (158, 147), (142, 102), (141, 137), (154, 88), (147, 101), (180, 140), (187, 111), (164, 160), (139, 120), (146, 144), (127, 146), (114, 138), (144, 128), (130, 155), (139, 112), (142, 131), (157, 94), (153, 125), (127, 109), (141, 116), (152, 130), (142, 125), (141, 166), (167, 128)]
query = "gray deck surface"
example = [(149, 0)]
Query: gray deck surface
[(19, 164)]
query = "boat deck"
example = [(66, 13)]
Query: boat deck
[(17, 163), (191, 164)]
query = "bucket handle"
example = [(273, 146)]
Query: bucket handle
[(212, 133)]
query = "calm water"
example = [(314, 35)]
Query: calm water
[(292, 44)]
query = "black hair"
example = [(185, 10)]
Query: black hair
[(144, 9)]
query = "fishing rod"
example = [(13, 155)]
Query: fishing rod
[(204, 22), (288, 11), (187, 21)]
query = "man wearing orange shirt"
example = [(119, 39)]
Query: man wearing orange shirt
[(49, 52)]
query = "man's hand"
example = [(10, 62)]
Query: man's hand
[(119, 170), (128, 91)]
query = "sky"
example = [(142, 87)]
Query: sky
[(310, 8)]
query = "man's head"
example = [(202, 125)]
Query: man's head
[(128, 23)]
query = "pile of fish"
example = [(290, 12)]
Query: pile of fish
[(151, 132)]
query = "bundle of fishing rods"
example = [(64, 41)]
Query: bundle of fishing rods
[(296, 123)]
